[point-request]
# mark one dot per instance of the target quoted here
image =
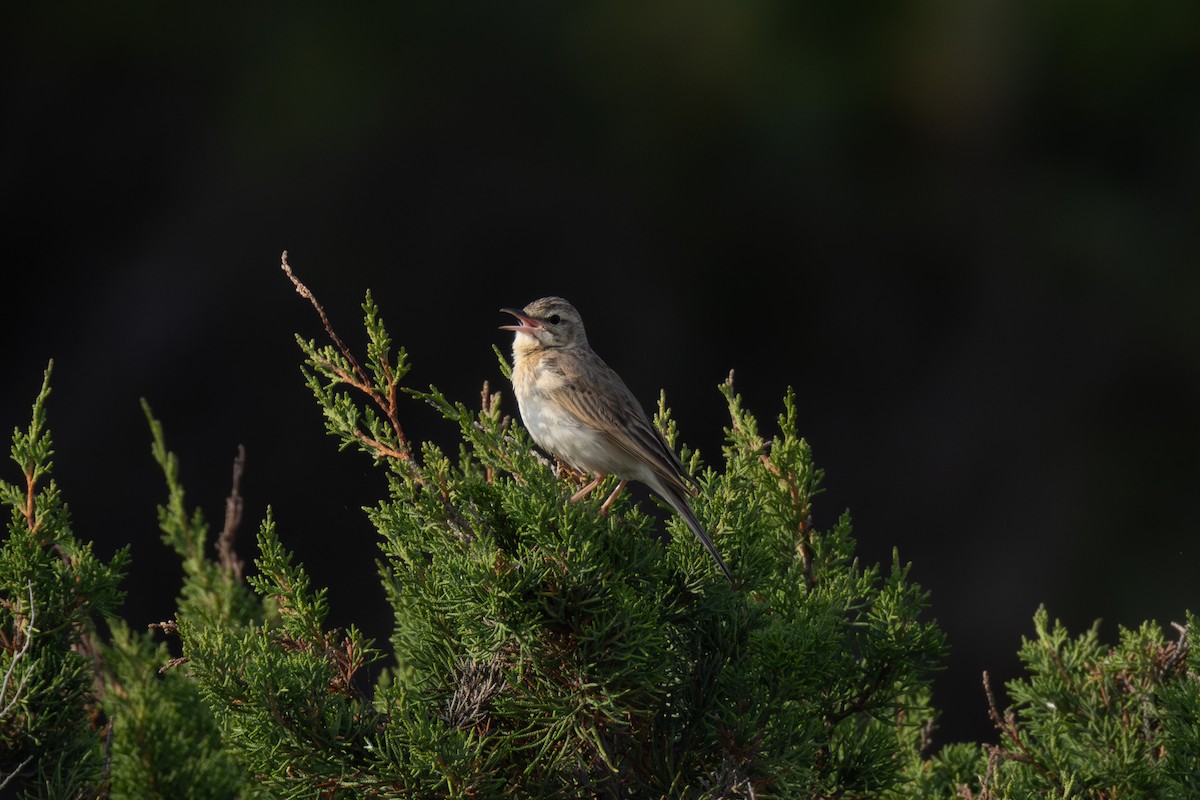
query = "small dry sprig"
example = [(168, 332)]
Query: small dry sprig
[(489, 407), (985, 781), (476, 684), (1006, 724), (1171, 659), (170, 628), (229, 559), (358, 379)]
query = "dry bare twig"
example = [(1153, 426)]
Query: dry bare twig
[(358, 379), (230, 561), (1006, 724)]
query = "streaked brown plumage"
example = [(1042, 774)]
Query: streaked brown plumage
[(580, 410)]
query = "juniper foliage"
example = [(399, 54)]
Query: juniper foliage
[(1095, 721), (53, 592), (541, 649), (165, 743)]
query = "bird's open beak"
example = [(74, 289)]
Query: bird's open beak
[(528, 324)]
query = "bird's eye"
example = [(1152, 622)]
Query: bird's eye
[(554, 319)]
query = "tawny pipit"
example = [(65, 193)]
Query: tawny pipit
[(576, 407)]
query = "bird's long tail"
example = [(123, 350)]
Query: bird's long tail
[(676, 500)]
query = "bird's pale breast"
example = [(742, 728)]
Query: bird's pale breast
[(580, 444)]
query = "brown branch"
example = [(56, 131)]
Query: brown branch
[(359, 380), (174, 662), (30, 486), (306, 293), (230, 562), (30, 510), (985, 781), (87, 644), (383, 449), (488, 403), (1007, 725), (32, 520)]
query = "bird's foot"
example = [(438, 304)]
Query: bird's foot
[(586, 490), (604, 506)]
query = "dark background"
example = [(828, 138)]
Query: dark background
[(964, 231)]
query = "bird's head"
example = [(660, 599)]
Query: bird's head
[(549, 322)]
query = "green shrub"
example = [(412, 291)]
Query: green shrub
[(540, 648)]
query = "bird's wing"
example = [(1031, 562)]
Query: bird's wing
[(603, 402)]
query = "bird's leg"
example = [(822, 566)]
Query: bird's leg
[(611, 497), (586, 490)]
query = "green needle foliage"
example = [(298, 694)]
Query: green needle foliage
[(53, 591), (1088, 721), (543, 649), (165, 743), (1097, 721), (540, 648)]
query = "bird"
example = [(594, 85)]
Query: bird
[(576, 407)]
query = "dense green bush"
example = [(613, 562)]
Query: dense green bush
[(541, 649)]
